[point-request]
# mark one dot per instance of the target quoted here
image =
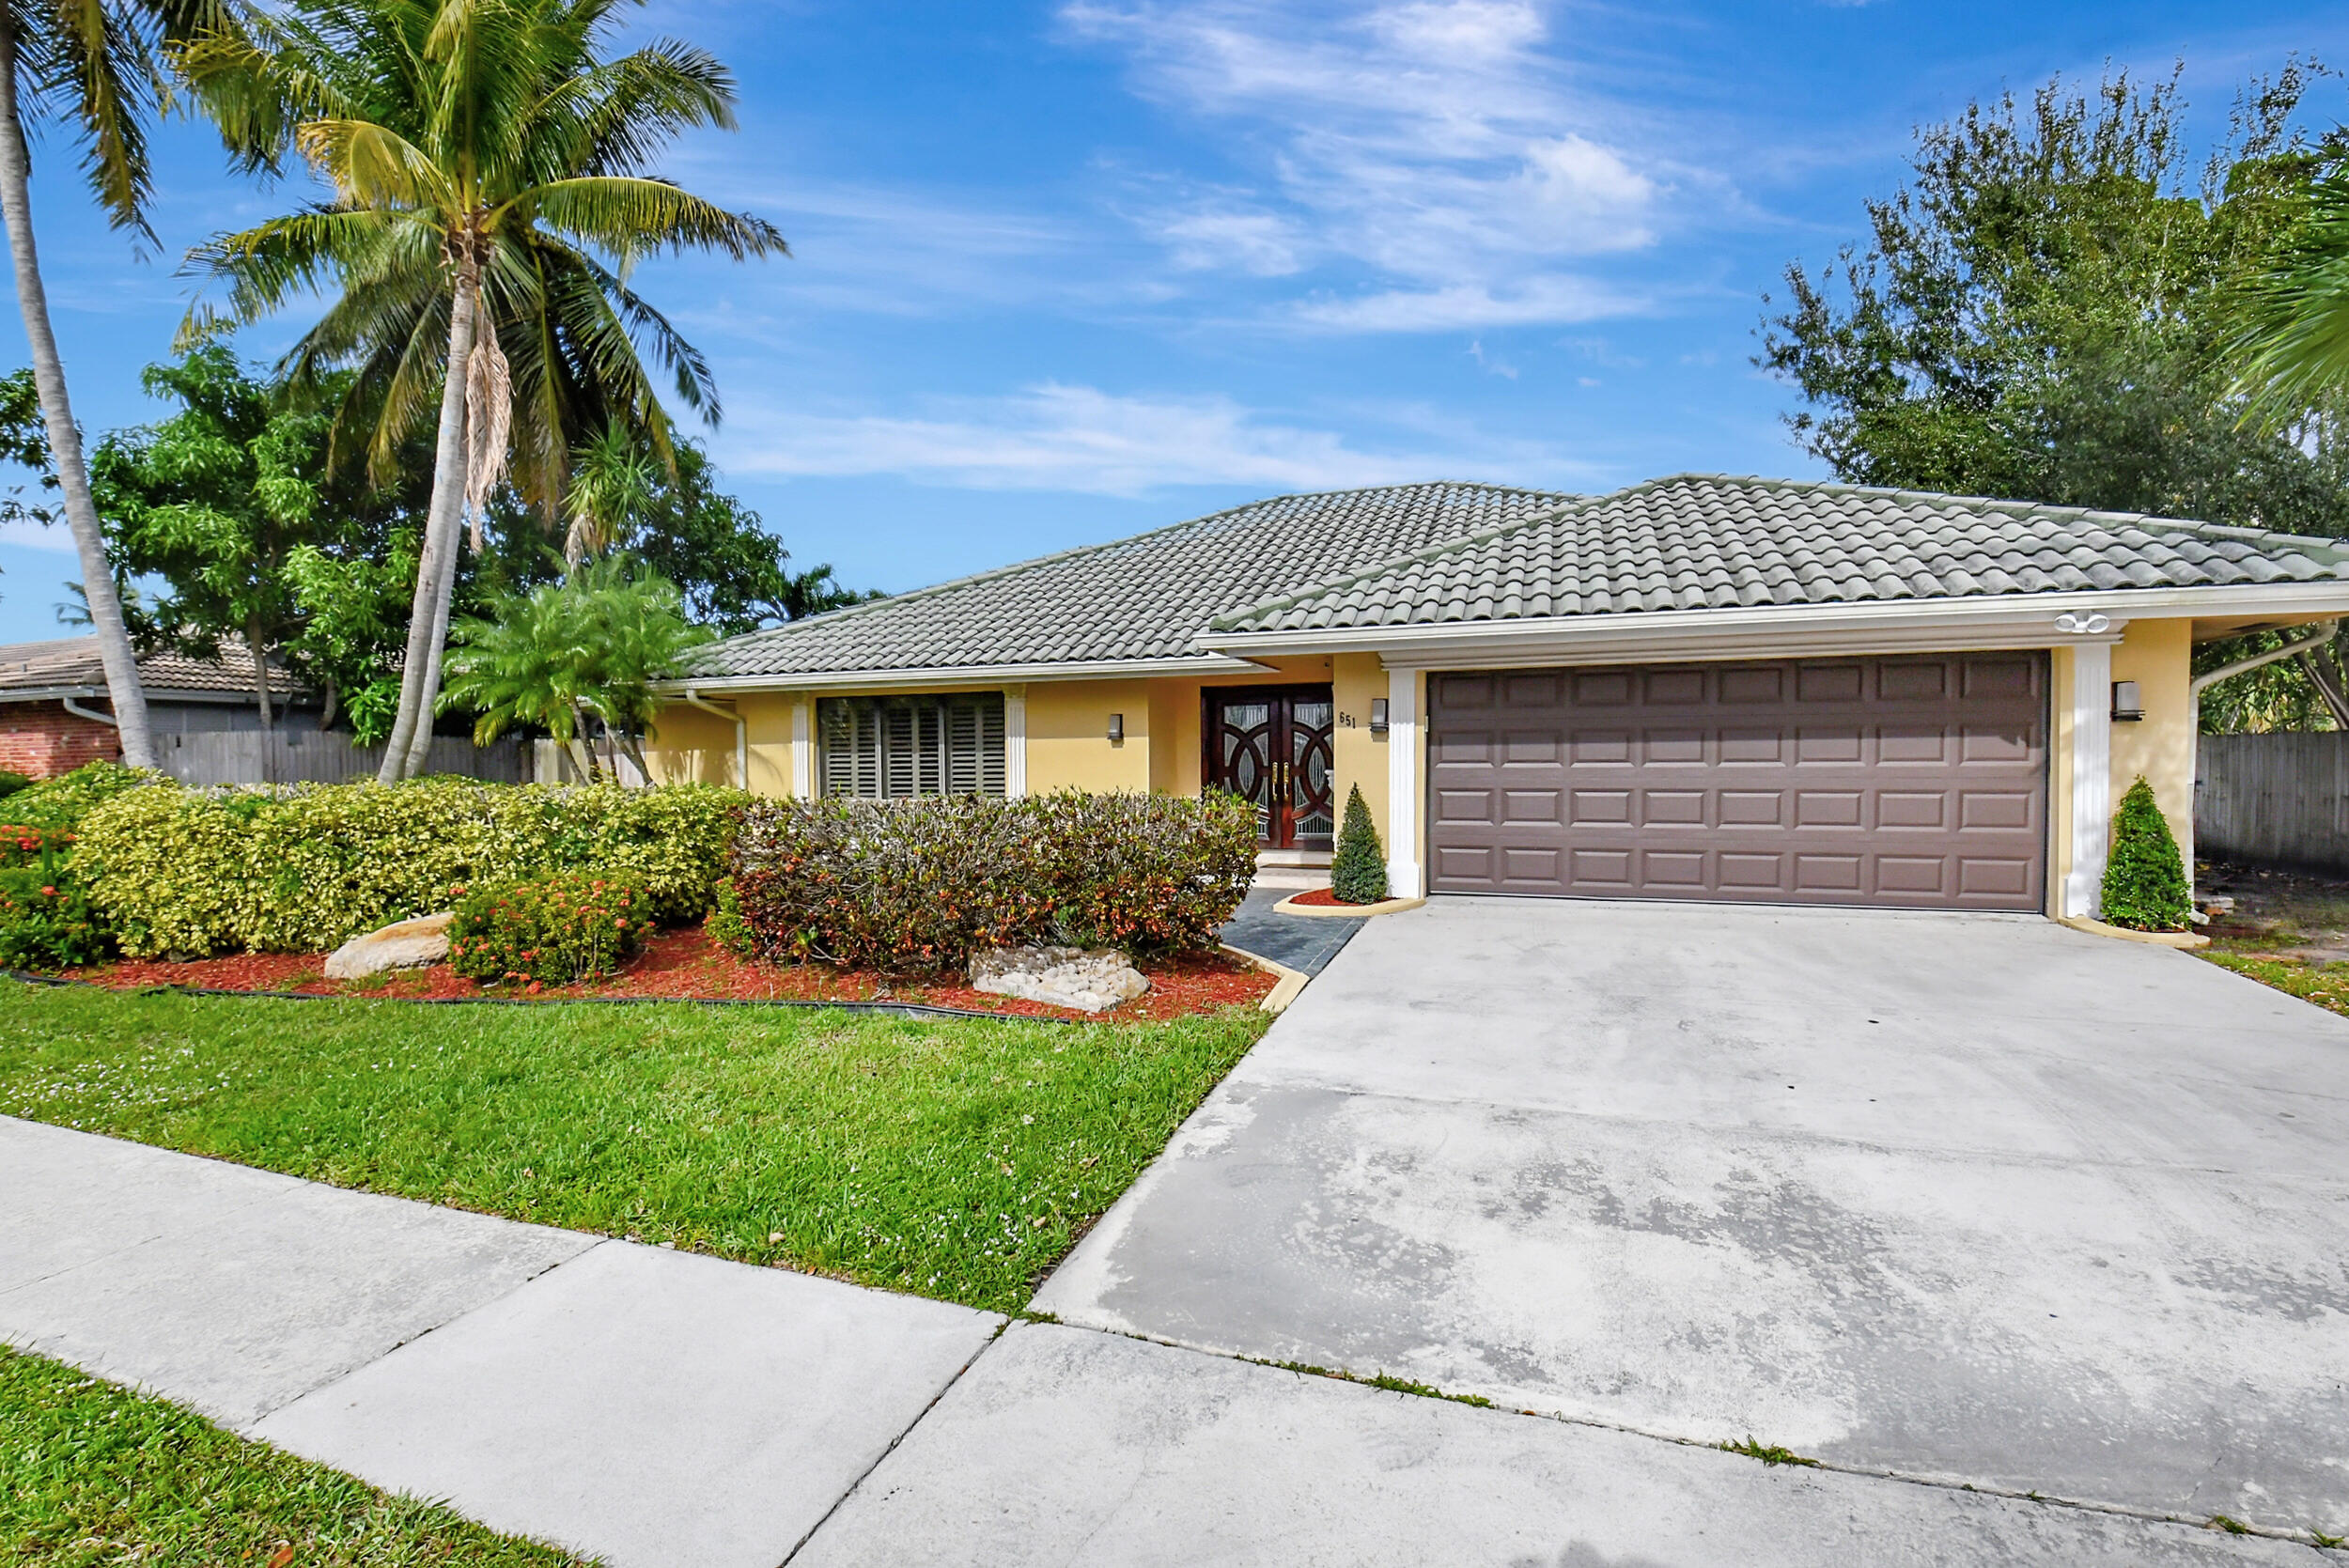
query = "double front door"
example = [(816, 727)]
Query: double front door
[(1269, 745)]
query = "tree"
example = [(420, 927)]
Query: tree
[(95, 65), (735, 575), (230, 504), (2043, 314), (213, 500), (586, 647), (488, 164), (2290, 340)]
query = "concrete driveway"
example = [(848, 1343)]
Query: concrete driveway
[(1971, 1198)]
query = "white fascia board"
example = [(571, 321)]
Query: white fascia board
[(978, 676), (1895, 625)]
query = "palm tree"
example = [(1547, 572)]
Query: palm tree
[(95, 63), (2292, 345), (589, 646), (488, 164)]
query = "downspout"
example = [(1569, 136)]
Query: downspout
[(80, 713), (2200, 684), (741, 735)]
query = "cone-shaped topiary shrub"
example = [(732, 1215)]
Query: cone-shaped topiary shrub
[(1358, 872), (2145, 887)]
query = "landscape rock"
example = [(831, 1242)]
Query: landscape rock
[(407, 944), (1090, 980)]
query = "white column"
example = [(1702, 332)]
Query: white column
[(803, 747), (1015, 742), (2091, 776), (1405, 878)]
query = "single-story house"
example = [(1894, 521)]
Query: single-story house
[(1698, 688), (56, 714)]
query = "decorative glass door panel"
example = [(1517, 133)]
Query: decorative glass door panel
[(1270, 746)]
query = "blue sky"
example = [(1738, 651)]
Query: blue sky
[(1067, 271)]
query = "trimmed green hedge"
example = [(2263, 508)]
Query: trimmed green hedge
[(919, 884), (303, 868)]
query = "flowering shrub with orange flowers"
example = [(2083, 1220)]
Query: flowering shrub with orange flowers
[(550, 930), (46, 920), (918, 884)]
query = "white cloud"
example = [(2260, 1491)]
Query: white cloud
[(1079, 439), (1521, 303), (1447, 145)]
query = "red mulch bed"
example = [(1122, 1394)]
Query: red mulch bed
[(1322, 898), (687, 964)]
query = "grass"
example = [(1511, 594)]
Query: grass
[(1377, 1380), (91, 1473), (1769, 1454), (957, 1159)]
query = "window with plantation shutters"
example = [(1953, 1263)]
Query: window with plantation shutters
[(883, 748)]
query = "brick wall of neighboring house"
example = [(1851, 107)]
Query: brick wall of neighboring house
[(43, 740)]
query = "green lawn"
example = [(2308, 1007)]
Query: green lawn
[(953, 1159), (92, 1474)]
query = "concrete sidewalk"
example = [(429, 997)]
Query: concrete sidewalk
[(656, 1408), (647, 1406)]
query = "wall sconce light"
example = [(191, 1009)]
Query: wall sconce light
[(1118, 729), (2126, 709), (1377, 715)]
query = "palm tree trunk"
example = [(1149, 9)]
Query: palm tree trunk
[(65, 438), (436, 571)]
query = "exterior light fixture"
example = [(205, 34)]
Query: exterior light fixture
[(2126, 709), (1377, 715), (2079, 623), (1118, 729)]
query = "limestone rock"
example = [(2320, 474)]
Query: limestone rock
[(1092, 980), (407, 944)]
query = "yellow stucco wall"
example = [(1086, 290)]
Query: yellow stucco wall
[(2159, 657), (688, 745), (1068, 744)]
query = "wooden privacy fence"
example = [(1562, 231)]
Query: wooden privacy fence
[(314, 756), (2280, 799)]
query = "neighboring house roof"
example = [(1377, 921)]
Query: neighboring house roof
[(70, 666), (1711, 542), (1145, 598)]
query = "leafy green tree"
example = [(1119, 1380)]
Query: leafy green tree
[(230, 505), (489, 163), (735, 575), (2043, 314), (94, 67), (586, 648)]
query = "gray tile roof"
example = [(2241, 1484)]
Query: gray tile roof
[(1148, 597), (1706, 541), (73, 662)]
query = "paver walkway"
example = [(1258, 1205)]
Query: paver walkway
[(657, 1408)]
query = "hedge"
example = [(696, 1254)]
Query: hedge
[(920, 884), (303, 868)]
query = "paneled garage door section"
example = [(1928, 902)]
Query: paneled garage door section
[(1910, 781)]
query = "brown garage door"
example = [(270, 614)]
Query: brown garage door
[(1916, 780)]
